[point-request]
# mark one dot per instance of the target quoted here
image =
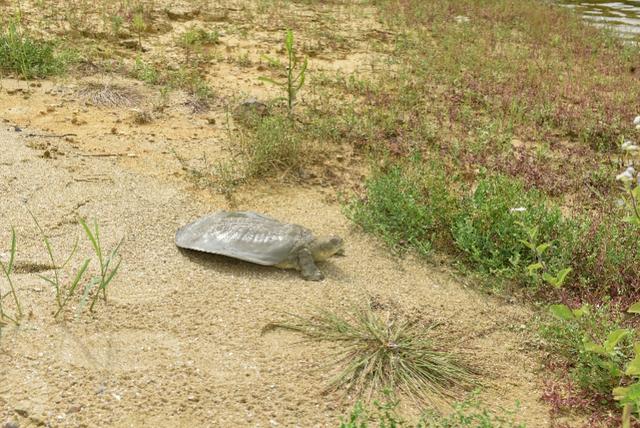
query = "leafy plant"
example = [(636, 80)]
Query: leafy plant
[(296, 73), (7, 270), (539, 266), (596, 347), (146, 72), (501, 222), (629, 395), (381, 353)]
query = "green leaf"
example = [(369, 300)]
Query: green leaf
[(528, 244), (550, 279), (579, 313), (562, 276), (634, 309), (13, 251), (542, 248), (78, 277), (620, 392), (614, 338), (632, 220), (561, 311), (628, 394), (269, 80), (633, 369), (532, 268), (589, 346)]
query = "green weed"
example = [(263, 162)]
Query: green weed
[(194, 38), (146, 72), (595, 346), (296, 73), (109, 265)]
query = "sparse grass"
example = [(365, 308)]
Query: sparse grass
[(67, 285), (469, 413), (7, 270), (194, 39), (109, 264), (26, 56), (380, 352)]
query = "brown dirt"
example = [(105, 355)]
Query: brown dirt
[(179, 342)]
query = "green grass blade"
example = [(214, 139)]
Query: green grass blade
[(12, 252)]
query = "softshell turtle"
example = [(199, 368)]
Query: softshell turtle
[(259, 239)]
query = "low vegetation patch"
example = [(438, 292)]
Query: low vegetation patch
[(26, 56), (408, 206), (492, 226)]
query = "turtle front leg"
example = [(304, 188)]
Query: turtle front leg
[(308, 266)]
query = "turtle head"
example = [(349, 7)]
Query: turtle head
[(323, 248)]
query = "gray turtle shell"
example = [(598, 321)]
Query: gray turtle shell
[(245, 235)]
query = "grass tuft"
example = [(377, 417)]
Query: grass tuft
[(28, 57), (273, 147), (383, 352), (109, 95)]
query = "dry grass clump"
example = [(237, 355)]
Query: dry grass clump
[(381, 352), (109, 95)]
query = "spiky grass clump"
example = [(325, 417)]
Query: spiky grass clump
[(109, 95), (383, 353)]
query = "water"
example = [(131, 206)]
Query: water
[(623, 16)]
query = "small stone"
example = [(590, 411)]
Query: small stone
[(74, 409), (178, 13), (11, 424)]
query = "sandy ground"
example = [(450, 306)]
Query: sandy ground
[(180, 343)]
